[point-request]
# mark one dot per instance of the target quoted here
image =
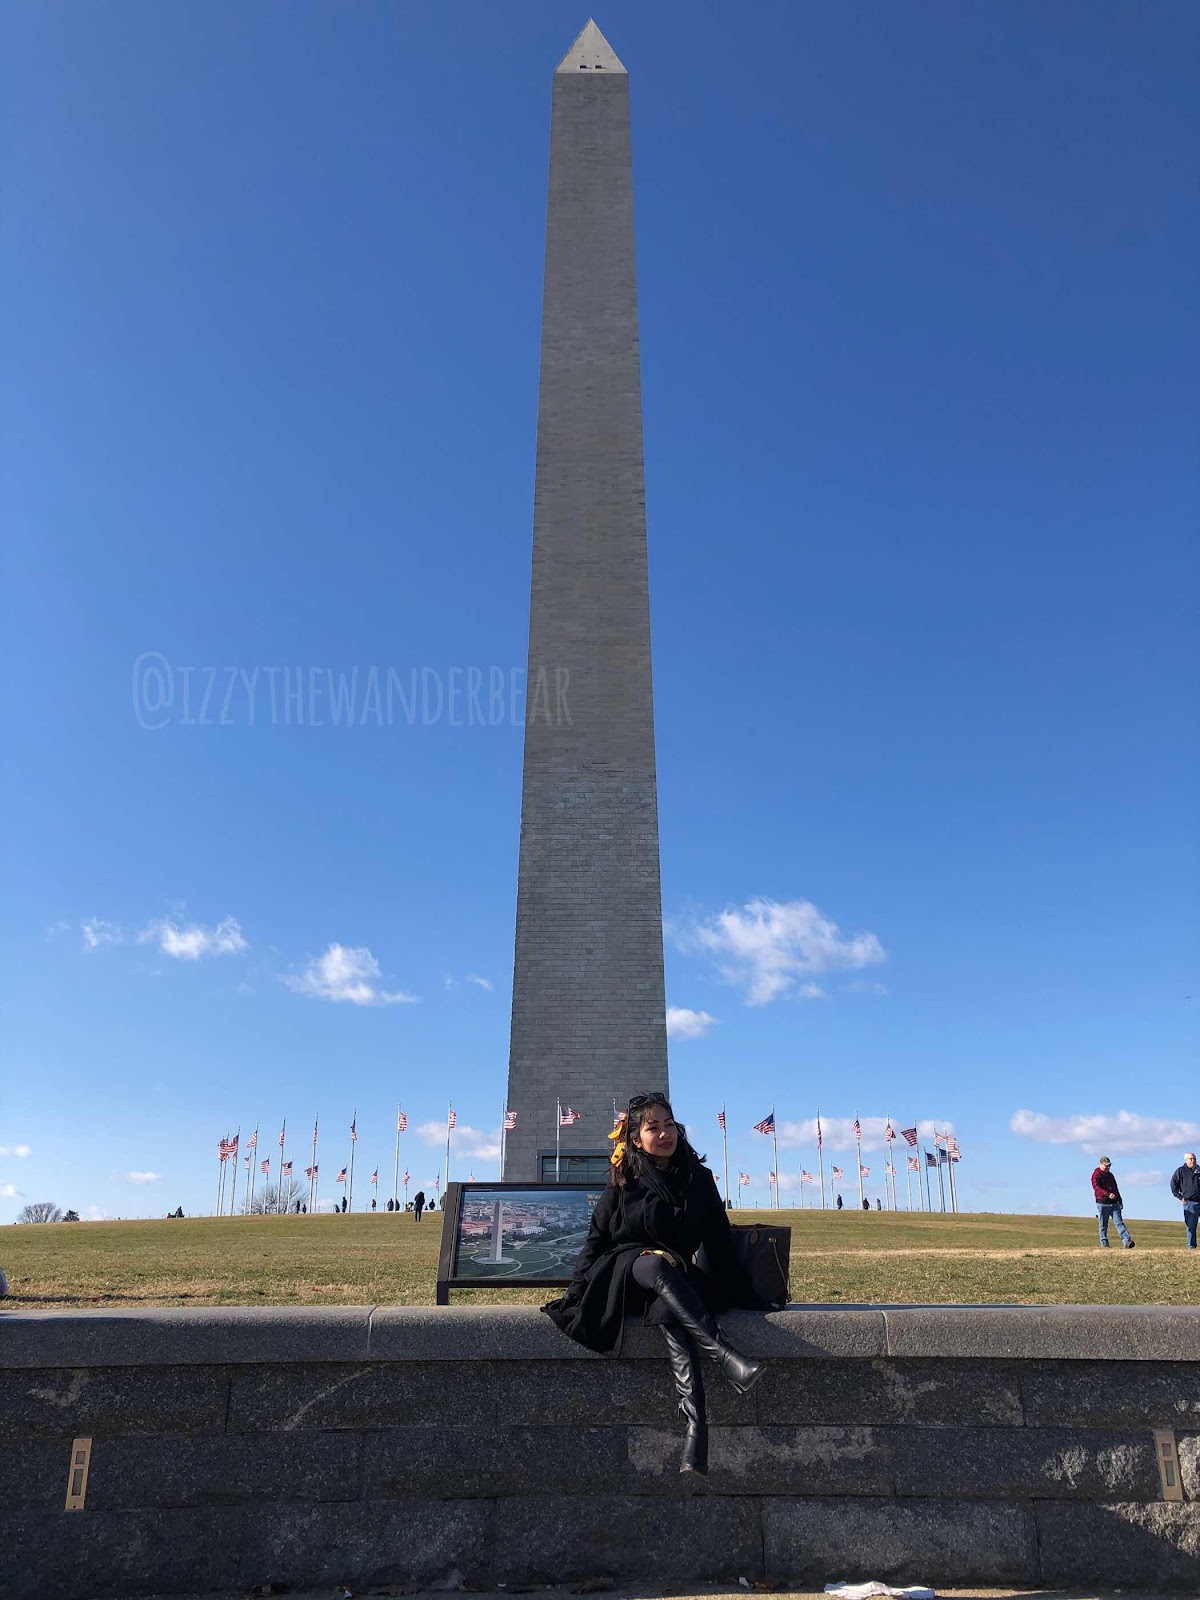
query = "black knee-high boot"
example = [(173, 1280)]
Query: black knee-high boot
[(689, 1385), (690, 1312)]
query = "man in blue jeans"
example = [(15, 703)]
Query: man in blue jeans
[(1185, 1186), (1109, 1204)]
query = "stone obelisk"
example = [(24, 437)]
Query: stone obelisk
[(589, 1015)]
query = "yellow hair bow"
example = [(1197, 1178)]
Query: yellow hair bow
[(618, 1136)]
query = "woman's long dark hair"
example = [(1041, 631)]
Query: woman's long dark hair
[(685, 1163)]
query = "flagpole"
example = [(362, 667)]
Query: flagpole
[(237, 1146), (953, 1190), (908, 1179), (449, 1109), (557, 1137), (775, 1143), (503, 1138), (282, 1148), (858, 1147), (220, 1211), (725, 1144), (396, 1168), (353, 1148), (821, 1157), (941, 1180)]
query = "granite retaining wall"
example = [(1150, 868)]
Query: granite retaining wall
[(947, 1445)]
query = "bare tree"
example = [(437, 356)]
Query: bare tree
[(280, 1196), (40, 1211)]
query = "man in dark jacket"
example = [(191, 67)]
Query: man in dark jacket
[(418, 1203), (1109, 1204), (1185, 1186)]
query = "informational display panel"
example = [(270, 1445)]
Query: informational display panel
[(512, 1235)]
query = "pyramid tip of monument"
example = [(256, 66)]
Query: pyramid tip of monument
[(591, 52)]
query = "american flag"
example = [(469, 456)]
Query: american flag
[(819, 1139), (223, 1149), (619, 1117), (354, 1128), (940, 1138), (857, 1129), (286, 1169), (566, 1116), (471, 1179), (930, 1159), (956, 1154), (375, 1176), (836, 1172), (510, 1121), (720, 1119), (767, 1125), (401, 1122), (437, 1183), (252, 1141), (265, 1165), (944, 1157), (914, 1163), (451, 1120), (743, 1179), (890, 1170), (341, 1177), (891, 1132), (283, 1133), (864, 1172), (805, 1177), (315, 1121), (311, 1172), (407, 1179), (233, 1144), (247, 1160), (909, 1135)]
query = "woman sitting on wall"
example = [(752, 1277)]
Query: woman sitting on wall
[(660, 1206)]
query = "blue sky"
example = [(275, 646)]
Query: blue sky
[(919, 340)]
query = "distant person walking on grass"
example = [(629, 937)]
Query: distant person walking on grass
[(1109, 1204), (418, 1203), (1185, 1186)]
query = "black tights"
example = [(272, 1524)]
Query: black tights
[(647, 1268)]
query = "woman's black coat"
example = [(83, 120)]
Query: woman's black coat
[(648, 1213)]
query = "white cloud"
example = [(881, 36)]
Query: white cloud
[(141, 1177), (347, 974), (481, 1144), (483, 983), (9, 1191), (191, 941), (97, 932), (685, 1024), (766, 945), (1127, 1133), (838, 1132), (1144, 1180), (15, 1150)]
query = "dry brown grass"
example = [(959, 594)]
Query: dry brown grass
[(846, 1258)]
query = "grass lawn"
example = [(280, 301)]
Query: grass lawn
[(848, 1257)]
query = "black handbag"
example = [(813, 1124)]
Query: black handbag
[(763, 1252)]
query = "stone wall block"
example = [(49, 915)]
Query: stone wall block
[(906, 1541), (426, 1463), (362, 1397), (1143, 1545), (1112, 1394), (1025, 1463), (112, 1401), (765, 1461), (629, 1538), (228, 1471), (930, 1393)]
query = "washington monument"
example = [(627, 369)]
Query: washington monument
[(589, 1015)]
